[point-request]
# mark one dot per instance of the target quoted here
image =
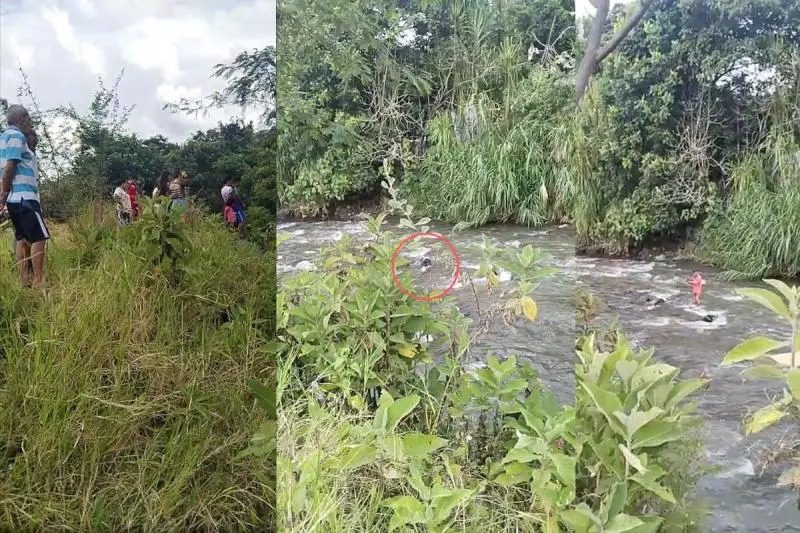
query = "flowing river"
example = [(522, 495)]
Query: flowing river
[(737, 495)]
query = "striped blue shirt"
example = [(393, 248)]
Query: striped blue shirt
[(25, 184)]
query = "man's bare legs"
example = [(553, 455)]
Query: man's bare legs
[(23, 258), (37, 258), (30, 258)]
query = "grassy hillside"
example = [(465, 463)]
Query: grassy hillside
[(124, 400)]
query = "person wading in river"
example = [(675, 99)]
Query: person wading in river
[(697, 282)]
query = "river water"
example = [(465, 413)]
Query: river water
[(738, 496)]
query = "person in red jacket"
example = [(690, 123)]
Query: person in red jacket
[(697, 282), (133, 192)]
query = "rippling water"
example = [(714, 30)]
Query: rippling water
[(738, 496)]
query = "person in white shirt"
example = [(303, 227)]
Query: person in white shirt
[(123, 201)]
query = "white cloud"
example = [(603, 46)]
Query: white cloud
[(81, 49), (172, 93), (167, 48), (158, 44)]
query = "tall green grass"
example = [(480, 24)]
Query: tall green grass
[(500, 161), (123, 398), (757, 234)]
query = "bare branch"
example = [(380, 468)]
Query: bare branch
[(623, 32)]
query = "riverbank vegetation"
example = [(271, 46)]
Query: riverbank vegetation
[(383, 426), (689, 118)]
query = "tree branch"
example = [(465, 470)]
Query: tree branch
[(623, 32)]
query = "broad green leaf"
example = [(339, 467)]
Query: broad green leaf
[(515, 473), (421, 445), (580, 519), (655, 433), (606, 402), (265, 397), (751, 349), (768, 299), (399, 410), (650, 524), (444, 500), (565, 468), (529, 308), (358, 456), (622, 523), (407, 510), (632, 459), (784, 289), (793, 380), (617, 499), (763, 418), (682, 390), (637, 419), (763, 372), (648, 481)]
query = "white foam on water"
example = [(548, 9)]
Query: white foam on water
[(665, 293), (513, 244), (743, 467), (700, 325), (730, 297), (286, 225), (639, 267), (298, 232), (336, 236), (304, 266), (420, 252), (657, 322), (309, 252)]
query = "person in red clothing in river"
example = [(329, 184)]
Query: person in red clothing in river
[(133, 192), (697, 282)]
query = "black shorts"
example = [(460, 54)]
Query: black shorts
[(26, 216)]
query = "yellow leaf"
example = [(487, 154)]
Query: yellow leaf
[(529, 308), (407, 350), (494, 281)]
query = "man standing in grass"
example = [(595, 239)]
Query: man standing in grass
[(19, 193)]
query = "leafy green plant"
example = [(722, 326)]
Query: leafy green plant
[(161, 235), (629, 409), (784, 301)]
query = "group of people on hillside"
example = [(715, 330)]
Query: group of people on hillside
[(126, 194), (175, 186), (19, 194)]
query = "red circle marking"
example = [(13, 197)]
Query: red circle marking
[(429, 235)]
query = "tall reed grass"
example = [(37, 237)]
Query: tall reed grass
[(500, 162)]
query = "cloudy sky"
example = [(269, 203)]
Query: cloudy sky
[(167, 48)]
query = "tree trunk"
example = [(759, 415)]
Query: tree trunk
[(594, 53), (589, 62)]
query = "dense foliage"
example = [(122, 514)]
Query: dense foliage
[(393, 69), (693, 118)]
